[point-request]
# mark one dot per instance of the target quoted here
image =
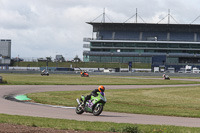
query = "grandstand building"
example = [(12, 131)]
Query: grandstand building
[(171, 45), (5, 53)]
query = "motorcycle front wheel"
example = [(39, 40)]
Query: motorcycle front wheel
[(79, 110), (98, 109)]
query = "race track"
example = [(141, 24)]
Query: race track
[(20, 108)]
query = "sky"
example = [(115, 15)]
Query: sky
[(45, 28)]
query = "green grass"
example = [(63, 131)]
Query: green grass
[(92, 126), (174, 101), (66, 79)]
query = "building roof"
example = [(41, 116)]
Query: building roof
[(97, 26)]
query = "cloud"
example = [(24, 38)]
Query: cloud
[(41, 28)]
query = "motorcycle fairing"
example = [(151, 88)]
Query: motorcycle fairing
[(90, 104)]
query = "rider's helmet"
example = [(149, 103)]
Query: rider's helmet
[(163, 75), (101, 88)]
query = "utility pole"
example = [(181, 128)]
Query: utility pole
[(18, 60)]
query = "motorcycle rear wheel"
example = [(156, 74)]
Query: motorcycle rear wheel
[(97, 109), (79, 110)]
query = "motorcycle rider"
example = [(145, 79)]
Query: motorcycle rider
[(83, 73), (100, 89), (43, 71), (165, 76)]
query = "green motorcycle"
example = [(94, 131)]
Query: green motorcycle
[(94, 105)]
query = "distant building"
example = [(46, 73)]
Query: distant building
[(170, 45), (5, 53)]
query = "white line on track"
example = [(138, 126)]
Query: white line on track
[(54, 106)]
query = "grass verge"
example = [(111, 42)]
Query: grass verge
[(65, 79), (93, 126)]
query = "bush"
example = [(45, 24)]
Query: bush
[(4, 82), (130, 129), (127, 129)]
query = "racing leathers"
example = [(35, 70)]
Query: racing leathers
[(93, 93)]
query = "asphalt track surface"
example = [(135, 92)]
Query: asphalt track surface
[(25, 109)]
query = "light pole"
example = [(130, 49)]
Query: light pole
[(18, 60), (56, 61)]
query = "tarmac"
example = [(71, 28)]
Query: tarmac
[(26, 109)]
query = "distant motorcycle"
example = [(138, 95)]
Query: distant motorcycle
[(166, 77), (94, 105), (84, 74), (45, 73)]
